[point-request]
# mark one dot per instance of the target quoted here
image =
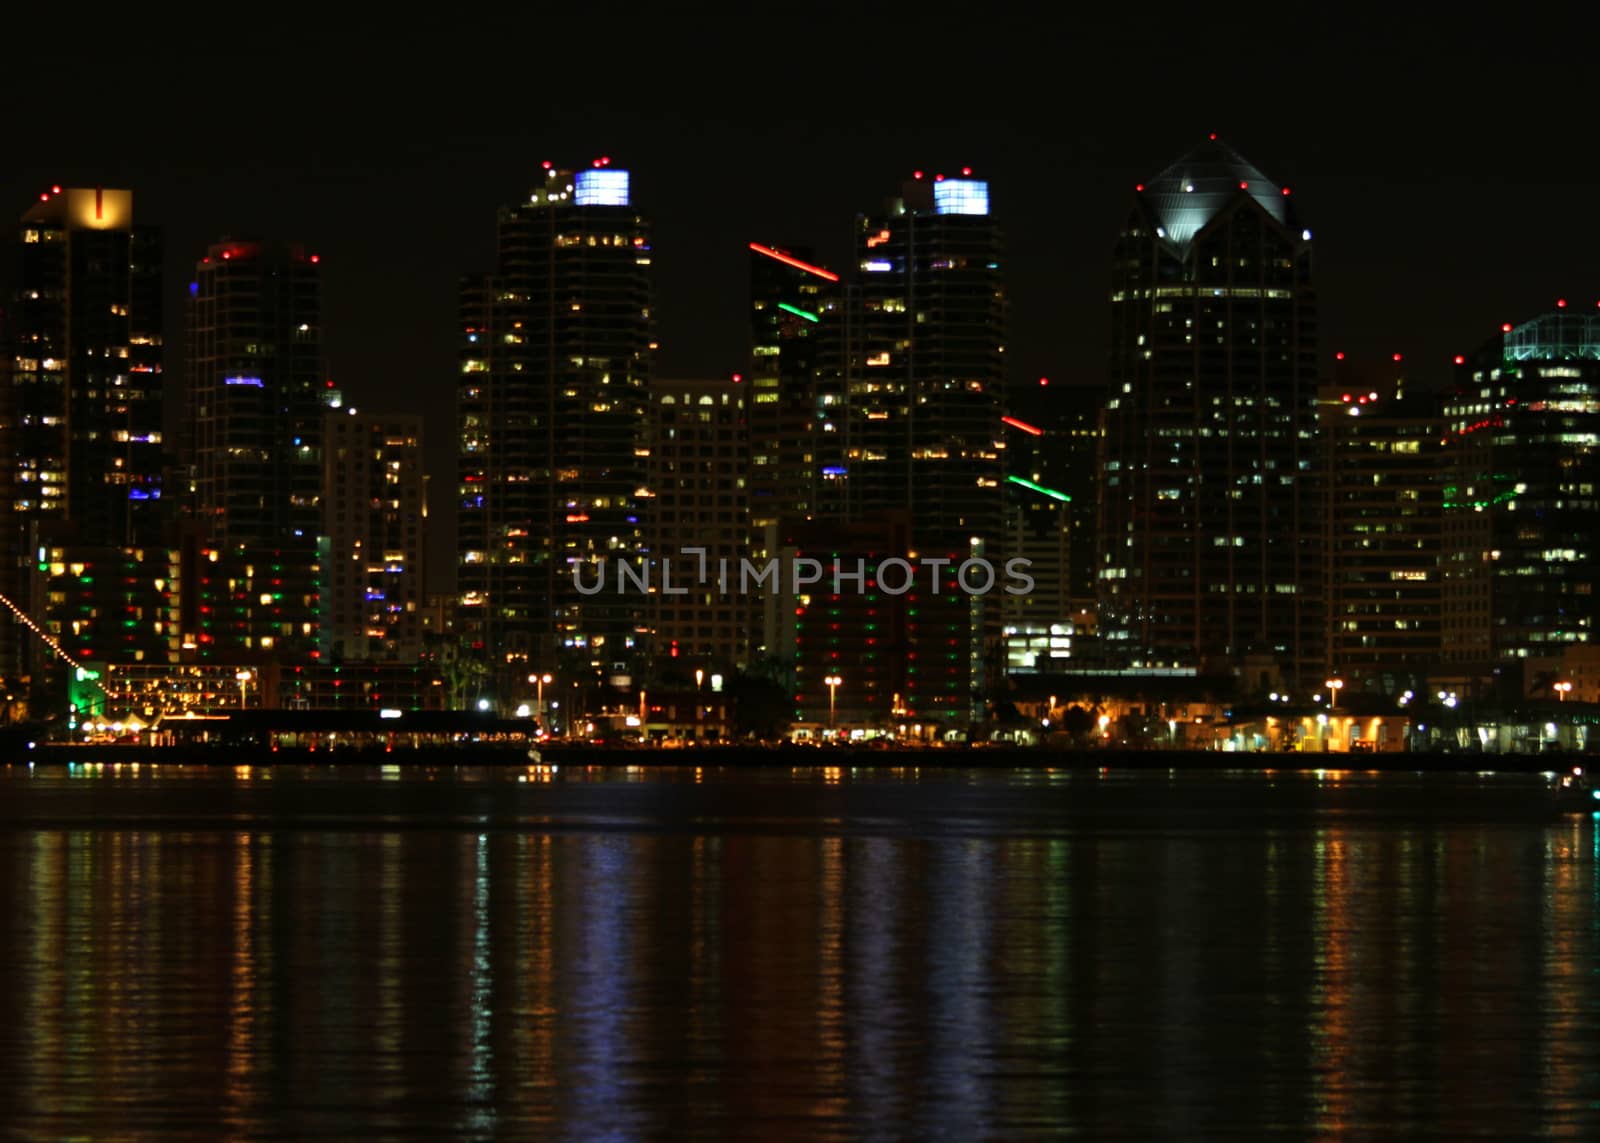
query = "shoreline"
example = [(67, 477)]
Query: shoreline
[(980, 757)]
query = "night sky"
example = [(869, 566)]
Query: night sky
[(1448, 180)]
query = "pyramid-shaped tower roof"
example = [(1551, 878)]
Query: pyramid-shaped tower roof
[(1195, 189)]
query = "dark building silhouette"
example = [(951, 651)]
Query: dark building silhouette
[(556, 351), (1211, 523)]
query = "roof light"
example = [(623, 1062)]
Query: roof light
[(316, 257), (1505, 327), (1397, 357), (1138, 187), (966, 171), (938, 178), (1286, 192), (791, 260), (1460, 360), (1339, 356), (738, 377), (1213, 136), (55, 190), (547, 164), (1044, 380), (916, 174), (1244, 186), (44, 198), (1561, 303)]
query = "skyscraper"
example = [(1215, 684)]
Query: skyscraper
[(795, 415), (256, 393), (555, 359), (1521, 507), (83, 425), (699, 499), (374, 514), (1384, 468), (1210, 521), (922, 355), (85, 327)]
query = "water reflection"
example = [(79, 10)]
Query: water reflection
[(946, 955)]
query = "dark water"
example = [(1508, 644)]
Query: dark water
[(303, 954)]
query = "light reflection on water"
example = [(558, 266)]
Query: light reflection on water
[(316, 954)]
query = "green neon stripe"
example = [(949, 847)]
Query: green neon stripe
[(798, 312), (1031, 486)]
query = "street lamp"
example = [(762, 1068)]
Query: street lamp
[(538, 703), (244, 681), (832, 682), (1561, 690)]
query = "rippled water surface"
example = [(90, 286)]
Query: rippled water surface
[(390, 953)]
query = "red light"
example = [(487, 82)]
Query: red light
[(1213, 136), (966, 170), (1338, 356), (1460, 360), (547, 164), (227, 254), (1023, 425), (1346, 398), (1139, 187), (316, 258), (44, 198), (1561, 303), (1244, 186), (55, 190), (1505, 328), (605, 160), (1397, 357), (738, 377), (1044, 380), (1286, 191), (791, 260), (938, 178), (916, 174), (330, 384), (206, 260), (596, 163)]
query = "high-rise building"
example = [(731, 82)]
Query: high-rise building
[(699, 514), (83, 428), (1211, 524), (1521, 507), (1384, 466), (85, 327), (374, 516), (921, 350), (256, 393), (555, 362), (796, 418)]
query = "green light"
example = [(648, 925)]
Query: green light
[(1032, 487), (798, 312)]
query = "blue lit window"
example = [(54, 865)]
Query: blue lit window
[(961, 196), (601, 188)]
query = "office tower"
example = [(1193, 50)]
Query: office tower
[(83, 424), (85, 322), (256, 392), (1521, 506), (1384, 465), (699, 461), (922, 354), (1210, 521), (796, 429), (555, 360), (373, 515)]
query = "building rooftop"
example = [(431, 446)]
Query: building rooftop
[(1199, 186)]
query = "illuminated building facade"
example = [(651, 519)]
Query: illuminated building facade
[(1211, 523), (555, 357), (83, 431), (922, 354), (85, 327), (699, 499), (256, 393), (241, 604), (1521, 505), (1383, 476), (795, 415), (374, 515)]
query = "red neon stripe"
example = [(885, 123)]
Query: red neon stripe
[(1023, 425), (789, 260)]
